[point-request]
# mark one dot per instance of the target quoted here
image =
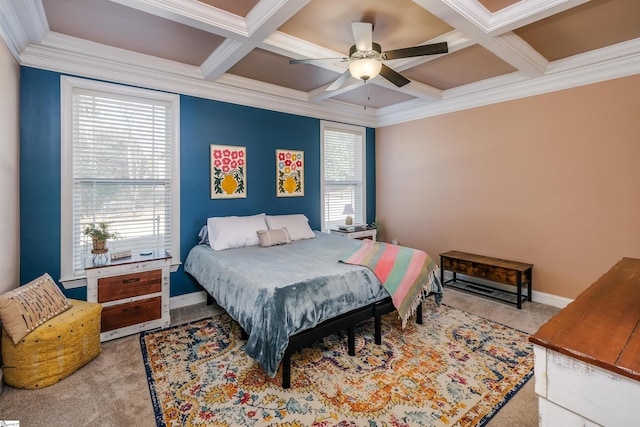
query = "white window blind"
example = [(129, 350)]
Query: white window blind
[(121, 172), (343, 158)]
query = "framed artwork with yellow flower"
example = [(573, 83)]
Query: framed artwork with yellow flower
[(228, 172), (290, 173)]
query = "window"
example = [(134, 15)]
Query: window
[(343, 173), (120, 165)]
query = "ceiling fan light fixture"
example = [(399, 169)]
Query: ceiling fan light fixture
[(365, 69)]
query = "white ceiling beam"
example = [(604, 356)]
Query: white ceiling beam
[(416, 89), (494, 23), (193, 14), (295, 48), (515, 51), (269, 15), (477, 23), (224, 57), (321, 94), (265, 18)]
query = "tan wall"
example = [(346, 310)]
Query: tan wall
[(9, 170), (553, 180)]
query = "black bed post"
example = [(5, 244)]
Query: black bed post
[(351, 340), (286, 370), (377, 330)]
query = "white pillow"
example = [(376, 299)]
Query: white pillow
[(228, 232), (297, 225)]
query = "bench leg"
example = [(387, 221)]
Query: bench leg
[(519, 277), (419, 314)]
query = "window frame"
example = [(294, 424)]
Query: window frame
[(67, 86), (362, 131)]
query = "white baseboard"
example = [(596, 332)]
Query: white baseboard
[(550, 299), (536, 296), (187, 299)]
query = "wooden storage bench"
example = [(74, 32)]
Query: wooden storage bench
[(497, 270)]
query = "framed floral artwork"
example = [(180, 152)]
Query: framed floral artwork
[(228, 172), (290, 173)]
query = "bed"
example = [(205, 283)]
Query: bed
[(276, 293)]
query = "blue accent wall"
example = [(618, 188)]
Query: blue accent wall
[(202, 122)]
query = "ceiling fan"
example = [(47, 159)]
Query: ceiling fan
[(365, 57)]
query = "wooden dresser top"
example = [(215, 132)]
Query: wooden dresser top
[(602, 326)]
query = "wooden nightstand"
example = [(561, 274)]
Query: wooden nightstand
[(368, 233), (133, 291)]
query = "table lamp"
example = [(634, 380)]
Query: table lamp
[(348, 211)]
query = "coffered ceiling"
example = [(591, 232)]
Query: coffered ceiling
[(239, 50)]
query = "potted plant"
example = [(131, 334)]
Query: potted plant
[(99, 233)]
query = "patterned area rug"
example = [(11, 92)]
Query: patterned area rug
[(456, 369)]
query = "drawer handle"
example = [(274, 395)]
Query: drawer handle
[(134, 308), (132, 280)]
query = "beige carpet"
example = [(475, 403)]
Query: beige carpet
[(112, 390)]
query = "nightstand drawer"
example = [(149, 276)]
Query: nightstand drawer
[(129, 285), (131, 313)]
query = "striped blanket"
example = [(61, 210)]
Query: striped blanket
[(409, 275)]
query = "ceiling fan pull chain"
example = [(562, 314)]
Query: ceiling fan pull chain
[(368, 93)]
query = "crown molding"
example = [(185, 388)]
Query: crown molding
[(40, 48), (125, 67), (592, 67), (77, 57), (15, 35), (33, 12), (11, 29)]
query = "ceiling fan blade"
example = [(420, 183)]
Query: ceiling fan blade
[(393, 76), (339, 82), (408, 52), (363, 35), (312, 60)]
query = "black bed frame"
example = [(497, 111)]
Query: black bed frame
[(346, 321)]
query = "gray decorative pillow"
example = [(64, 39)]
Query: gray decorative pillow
[(279, 236)]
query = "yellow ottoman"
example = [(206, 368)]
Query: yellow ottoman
[(55, 349)]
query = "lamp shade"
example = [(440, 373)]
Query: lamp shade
[(348, 209), (365, 69)]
